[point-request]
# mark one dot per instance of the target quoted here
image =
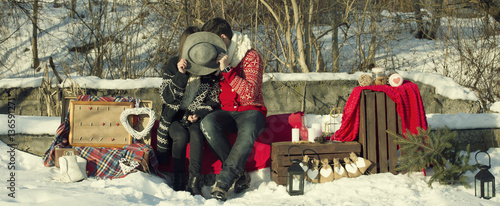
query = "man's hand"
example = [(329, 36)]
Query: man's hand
[(223, 61), (192, 118), (181, 65)]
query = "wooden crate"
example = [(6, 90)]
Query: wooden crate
[(280, 161), (377, 115)]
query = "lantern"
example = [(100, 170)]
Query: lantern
[(484, 181), (295, 176), (295, 179)]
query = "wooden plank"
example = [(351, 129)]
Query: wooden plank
[(392, 125), (362, 125), (280, 180), (381, 133), (371, 130)]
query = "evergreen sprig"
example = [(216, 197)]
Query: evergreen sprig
[(435, 149)]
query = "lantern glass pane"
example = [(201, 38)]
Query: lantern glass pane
[(296, 183), (488, 189), (478, 188)]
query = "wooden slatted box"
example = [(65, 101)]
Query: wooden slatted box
[(280, 161), (377, 115)]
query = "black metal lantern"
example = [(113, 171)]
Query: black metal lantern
[(484, 181), (295, 177)]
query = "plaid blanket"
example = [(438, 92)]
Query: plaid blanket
[(104, 162)]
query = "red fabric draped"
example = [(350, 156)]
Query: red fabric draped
[(409, 107)]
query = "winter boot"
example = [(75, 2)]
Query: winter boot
[(242, 183), (180, 181), (194, 186), (219, 191)]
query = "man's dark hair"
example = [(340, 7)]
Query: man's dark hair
[(218, 26)]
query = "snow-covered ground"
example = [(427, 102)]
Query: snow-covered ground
[(27, 182), (34, 184)]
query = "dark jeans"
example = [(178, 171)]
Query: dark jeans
[(181, 136), (247, 124)]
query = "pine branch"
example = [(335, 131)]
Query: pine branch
[(436, 149)]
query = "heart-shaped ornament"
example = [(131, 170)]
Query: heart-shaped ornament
[(339, 170), (325, 172), (351, 168), (137, 111), (360, 162), (312, 174), (397, 80)]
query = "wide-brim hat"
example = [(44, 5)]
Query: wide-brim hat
[(201, 50)]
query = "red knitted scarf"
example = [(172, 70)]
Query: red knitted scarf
[(409, 107)]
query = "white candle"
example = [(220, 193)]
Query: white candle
[(295, 134), (318, 129), (311, 134)]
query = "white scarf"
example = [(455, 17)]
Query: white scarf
[(239, 46)]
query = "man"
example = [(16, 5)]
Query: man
[(242, 108)]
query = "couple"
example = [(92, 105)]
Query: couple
[(211, 90)]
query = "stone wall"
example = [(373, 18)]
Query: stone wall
[(316, 97)]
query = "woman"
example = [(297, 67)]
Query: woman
[(189, 91)]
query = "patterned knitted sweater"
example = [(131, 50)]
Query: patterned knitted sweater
[(241, 88), (175, 108)]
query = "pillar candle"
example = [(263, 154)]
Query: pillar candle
[(312, 134), (295, 134), (318, 129)]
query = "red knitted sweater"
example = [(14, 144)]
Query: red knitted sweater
[(409, 107), (241, 88)]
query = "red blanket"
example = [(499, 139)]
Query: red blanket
[(409, 107)]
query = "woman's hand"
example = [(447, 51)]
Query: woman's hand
[(192, 118), (181, 65)]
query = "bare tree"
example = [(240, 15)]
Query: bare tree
[(34, 42), (417, 9), (299, 26), (489, 7)]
